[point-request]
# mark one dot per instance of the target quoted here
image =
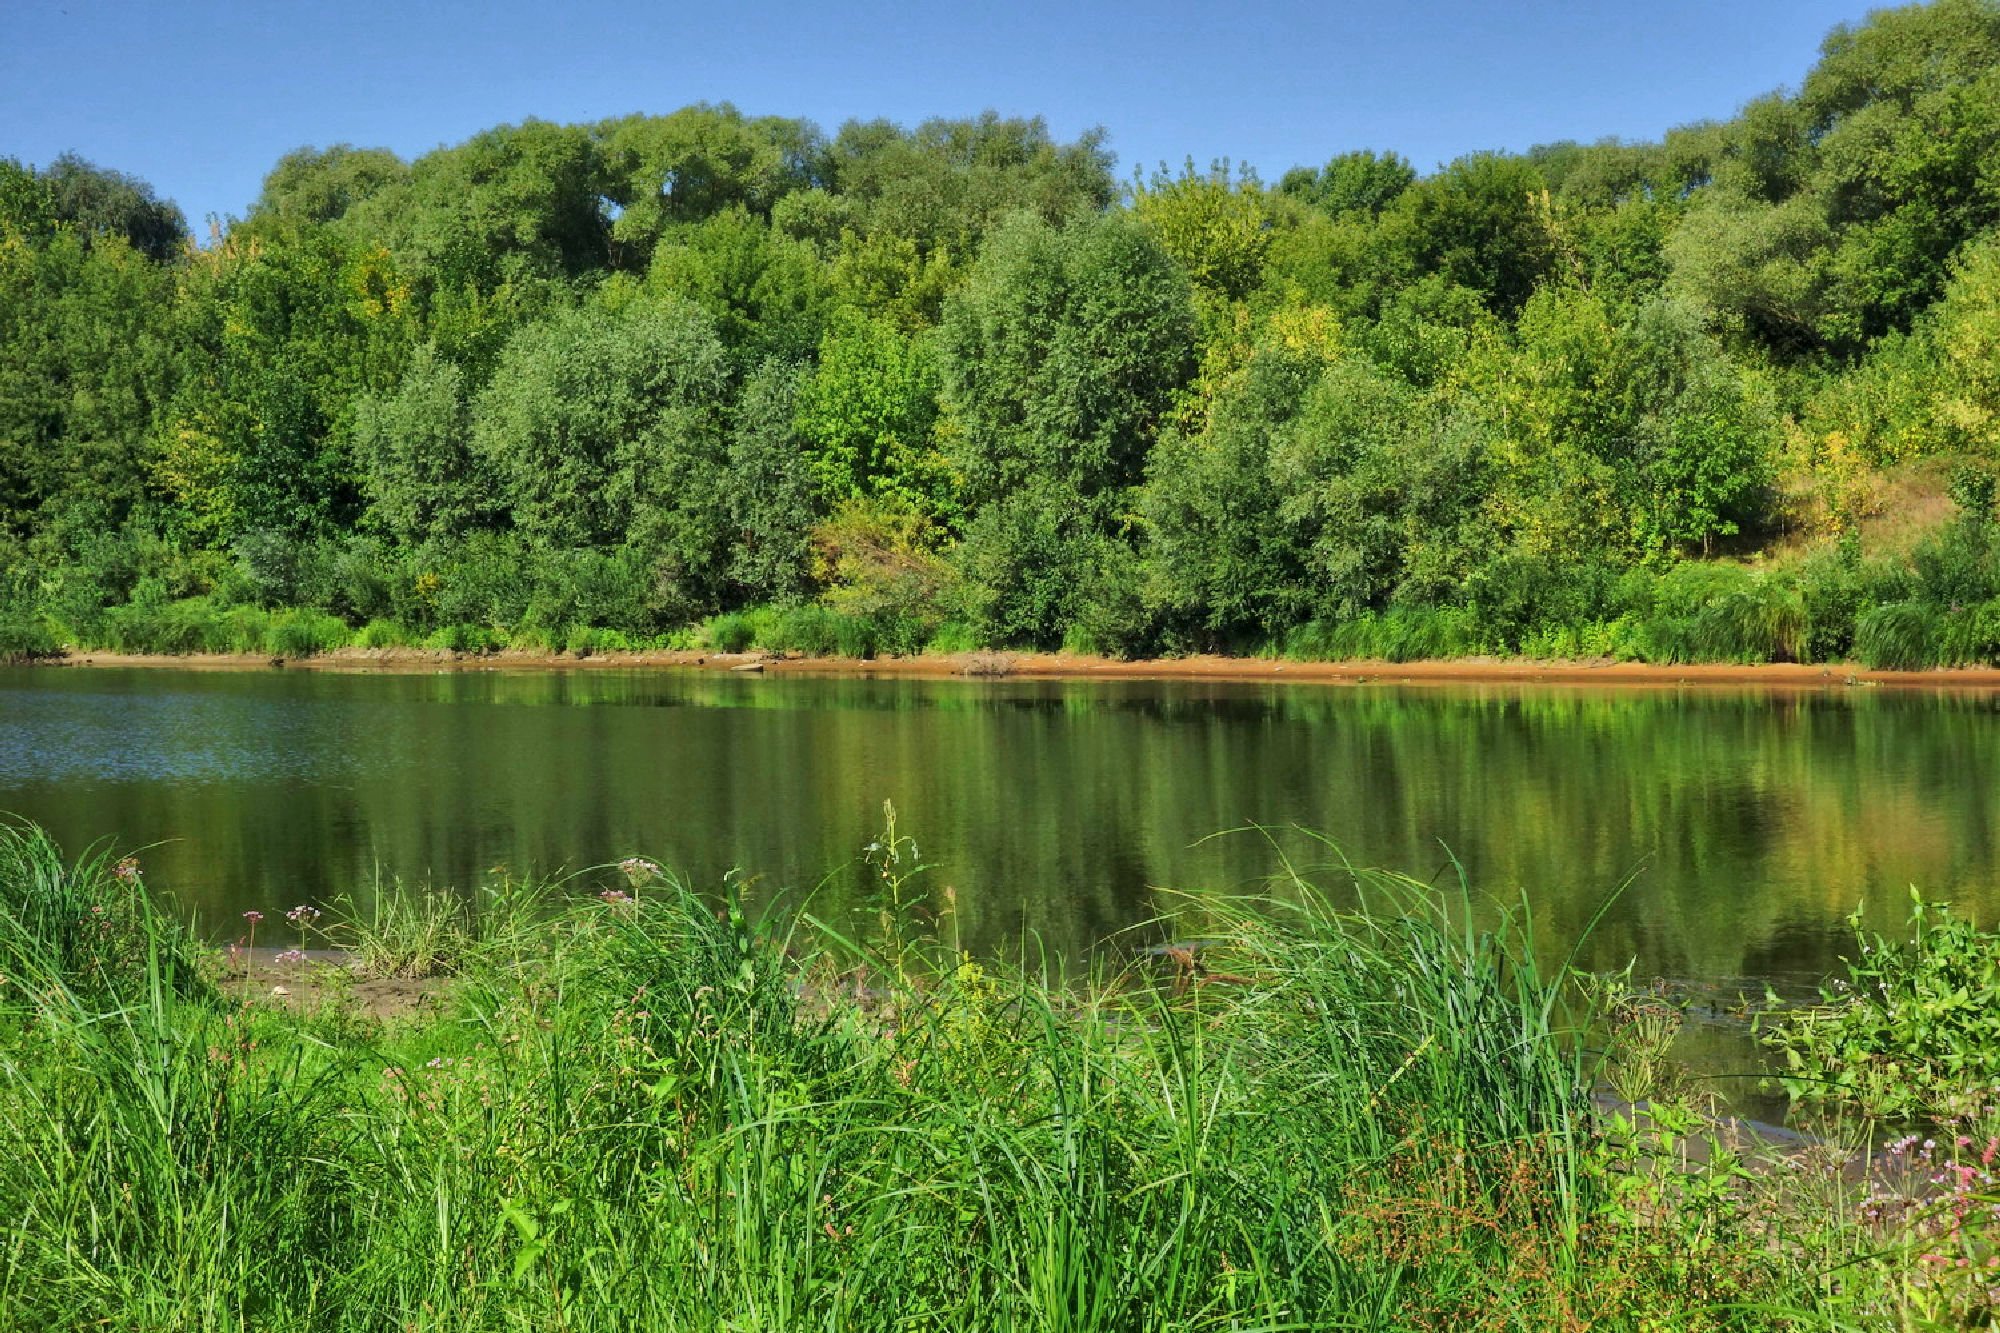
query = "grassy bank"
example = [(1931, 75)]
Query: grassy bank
[(1938, 608), (637, 1107)]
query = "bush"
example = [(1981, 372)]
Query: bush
[(1959, 565), (1970, 635), (1703, 612), (1515, 596), (1834, 590), (953, 636)]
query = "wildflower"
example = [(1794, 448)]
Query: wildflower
[(615, 896), (253, 917), (127, 870), (302, 916), (292, 956)]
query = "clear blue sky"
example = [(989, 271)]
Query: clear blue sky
[(200, 98)]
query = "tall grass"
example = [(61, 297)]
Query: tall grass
[(654, 1108), (25, 638), (1402, 634)]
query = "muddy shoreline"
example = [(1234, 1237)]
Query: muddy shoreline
[(1063, 666)]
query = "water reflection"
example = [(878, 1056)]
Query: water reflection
[(1748, 824)]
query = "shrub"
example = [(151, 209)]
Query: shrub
[(1970, 635), (953, 636), (1959, 565), (1834, 590)]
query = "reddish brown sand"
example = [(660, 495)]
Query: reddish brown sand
[(1062, 666)]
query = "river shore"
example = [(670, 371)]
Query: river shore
[(1066, 666)]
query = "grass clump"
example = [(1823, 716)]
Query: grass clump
[(1898, 636), (26, 639), (298, 633), (383, 634), (647, 1107)]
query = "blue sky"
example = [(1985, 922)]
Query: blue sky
[(202, 97)]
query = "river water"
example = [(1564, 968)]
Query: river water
[(1744, 826)]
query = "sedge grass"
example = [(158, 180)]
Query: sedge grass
[(644, 1107)]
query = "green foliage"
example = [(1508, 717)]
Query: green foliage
[(305, 634), (25, 638), (1356, 182), (771, 497), (616, 379), (1216, 230), (766, 293), (1401, 634), (1898, 636), (96, 204), (867, 413), (606, 428), (414, 449), (1481, 224), (83, 929), (1028, 563), (1059, 357), (632, 1097), (1909, 1034)]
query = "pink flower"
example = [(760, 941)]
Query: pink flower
[(127, 870), (253, 917)]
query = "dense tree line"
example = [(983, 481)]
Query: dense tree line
[(717, 375)]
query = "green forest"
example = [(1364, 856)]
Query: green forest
[(717, 380)]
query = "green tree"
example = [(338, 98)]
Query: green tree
[(97, 202), (1060, 356), (87, 360), (1217, 230), (414, 449), (664, 171), (867, 413), (314, 185), (767, 293), (772, 501), (1481, 223), (605, 428), (1360, 182)]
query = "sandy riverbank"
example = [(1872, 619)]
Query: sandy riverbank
[(1062, 666)]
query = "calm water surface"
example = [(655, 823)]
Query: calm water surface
[(1748, 823)]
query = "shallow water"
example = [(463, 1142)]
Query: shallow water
[(1744, 825)]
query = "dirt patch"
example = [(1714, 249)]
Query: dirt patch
[(321, 979)]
